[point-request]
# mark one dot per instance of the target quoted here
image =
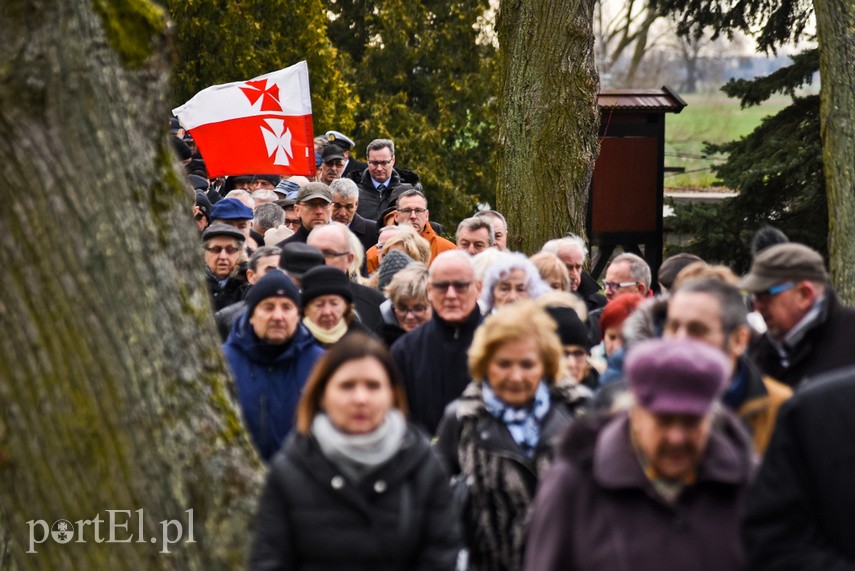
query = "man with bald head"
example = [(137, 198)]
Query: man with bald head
[(432, 358), (333, 240)]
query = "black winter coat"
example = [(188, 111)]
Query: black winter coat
[(232, 292), (825, 347), (373, 203), (432, 360), (312, 517), (800, 511)]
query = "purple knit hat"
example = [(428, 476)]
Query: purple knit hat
[(677, 376)]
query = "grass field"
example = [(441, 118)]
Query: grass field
[(707, 117)]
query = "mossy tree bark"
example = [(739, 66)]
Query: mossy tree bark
[(113, 388), (836, 29), (548, 118)]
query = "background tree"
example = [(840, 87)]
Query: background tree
[(774, 23), (623, 40), (220, 41), (425, 80), (548, 118), (113, 384)]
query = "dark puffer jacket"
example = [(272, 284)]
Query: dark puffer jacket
[(312, 517), (500, 479)]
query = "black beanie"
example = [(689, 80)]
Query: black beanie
[(325, 280), (571, 330), (274, 284)]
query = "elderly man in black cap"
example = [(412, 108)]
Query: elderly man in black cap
[(223, 245), (270, 354), (808, 330), (332, 164), (660, 486), (314, 207), (346, 144)]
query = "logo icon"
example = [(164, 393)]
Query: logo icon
[(62, 531)]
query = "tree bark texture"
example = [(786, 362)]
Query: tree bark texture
[(548, 120), (114, 391), (835, 21)]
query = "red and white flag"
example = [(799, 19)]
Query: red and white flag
[(260, 126)]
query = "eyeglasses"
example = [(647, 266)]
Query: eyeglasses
[(408, 211), (198, 216), (334, 163), (340, 206), (459, 287), (230, 250), (379, 163), (615, 285), (576, 353), (292, 222), (416, 310), (331, 254), (765, 296)]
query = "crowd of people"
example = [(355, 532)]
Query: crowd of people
[(435, 403)]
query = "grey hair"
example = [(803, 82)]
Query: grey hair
[(262, 252), (553, 246), (268, 216), (502, 267), (378, 144), (265, 194), (638, 268), (345, 187), (476, 223), (493, 215), (409, 283), (732, 310)]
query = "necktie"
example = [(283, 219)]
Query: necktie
[(381, 187)]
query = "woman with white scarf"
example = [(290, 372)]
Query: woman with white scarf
[(355, 486)]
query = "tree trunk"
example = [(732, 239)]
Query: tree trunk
[(549, 118), (835, 22), (113, 387)]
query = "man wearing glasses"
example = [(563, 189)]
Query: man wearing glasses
[(224, 247), (412, 210), (345, 195), (333, 240), (432, 358), (332, 164), (808, 330), (627, 273), (380, 184), (314, 208)]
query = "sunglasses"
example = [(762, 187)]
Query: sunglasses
[(459, 287), (230, 250)]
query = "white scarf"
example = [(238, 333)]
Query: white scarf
[(358, 454)]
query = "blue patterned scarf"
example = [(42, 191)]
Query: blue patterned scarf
[(523, 423)]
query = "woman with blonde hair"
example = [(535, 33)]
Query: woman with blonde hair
[(497, 438), (552, 270), (355, 486)]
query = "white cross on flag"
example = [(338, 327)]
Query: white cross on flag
[(260, 126)]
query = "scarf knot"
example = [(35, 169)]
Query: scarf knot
[(524, 423)]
